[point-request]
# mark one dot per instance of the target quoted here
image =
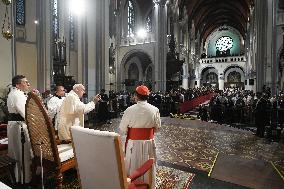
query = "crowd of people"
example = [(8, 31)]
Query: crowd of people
[(141, 114), (69, 110), (166, 102), (242, 106)]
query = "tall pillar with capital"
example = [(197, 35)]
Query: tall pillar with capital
[(160, 48)]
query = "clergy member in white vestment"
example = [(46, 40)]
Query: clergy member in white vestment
[(16, 106), (139, 122), (54, 104), (72, 111)]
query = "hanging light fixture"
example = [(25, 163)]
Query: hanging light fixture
[(7, 2), (6, 27)]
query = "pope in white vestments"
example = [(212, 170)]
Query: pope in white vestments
[(72, 111), (140, 115), (16, 106)]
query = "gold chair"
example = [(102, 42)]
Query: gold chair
[(56, 158), (100, 161)]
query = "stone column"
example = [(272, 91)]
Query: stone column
[(43, 45), (185, 76), (40, 32), (261, 38), (192, 82), (197, 82), (281, 80), (97, 46), (185, 81), (160, 48), (82, 51), (273, 50), (221, 83)]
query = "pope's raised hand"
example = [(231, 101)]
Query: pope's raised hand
[(97, 98)]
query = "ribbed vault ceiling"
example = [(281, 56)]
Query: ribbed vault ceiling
[(209, 15)]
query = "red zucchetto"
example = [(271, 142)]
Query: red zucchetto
[(142, 90)]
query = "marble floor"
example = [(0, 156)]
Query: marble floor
[(193, 146)]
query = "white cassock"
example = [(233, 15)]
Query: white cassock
[(140, 115), (16, 104), (53, 106), (71, 113)]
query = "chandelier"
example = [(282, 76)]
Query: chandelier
[(6, 27)]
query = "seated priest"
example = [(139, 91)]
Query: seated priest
[(72, 111), (139, 123)]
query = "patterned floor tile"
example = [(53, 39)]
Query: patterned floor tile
[(195, 144)]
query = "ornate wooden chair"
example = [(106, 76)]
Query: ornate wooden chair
[(100, 161), (56, 158)]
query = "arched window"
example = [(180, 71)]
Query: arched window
[(55, 20), (149, 74), (234, 77), (72, 31), (149, 22), (20, 12), (211, 78), (130, 19), (133, 72)]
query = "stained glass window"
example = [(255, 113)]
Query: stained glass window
[(131, 18), (72, 31), (149, 22), (55, 19), (224, 43), (20, 12)]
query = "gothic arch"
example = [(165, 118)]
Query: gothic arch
[(209, 76), (141, 59), (133, 65), (280, 61), (234, 76), (133, 71), (231, 68), (149, 73), (204, 68)]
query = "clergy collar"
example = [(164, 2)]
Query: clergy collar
[(15, 88), (142, 101), (60, 97)]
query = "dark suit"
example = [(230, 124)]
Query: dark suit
[(260, 116), (103, 113)]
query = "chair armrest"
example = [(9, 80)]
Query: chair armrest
[(141, 170)]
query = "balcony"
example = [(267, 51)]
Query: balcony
[(228, 59), (134, 40)]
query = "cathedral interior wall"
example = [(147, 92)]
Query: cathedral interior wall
[(5, 58), (27, 62)]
